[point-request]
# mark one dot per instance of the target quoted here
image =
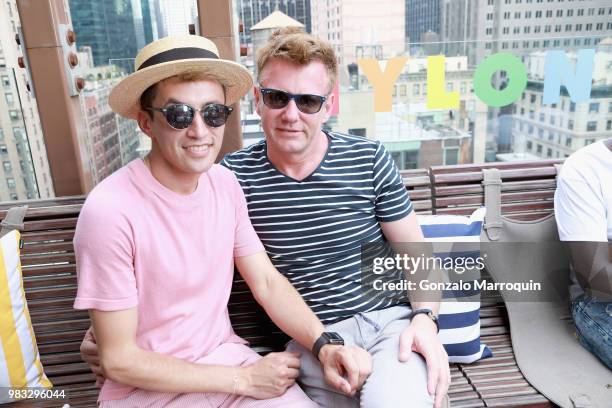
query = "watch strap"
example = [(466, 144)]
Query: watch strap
[(429, 314)]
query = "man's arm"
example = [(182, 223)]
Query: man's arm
[(581, 220), (288, 310), (122, 361), (421, 336)]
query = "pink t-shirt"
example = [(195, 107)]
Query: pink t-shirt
[(139, 244)]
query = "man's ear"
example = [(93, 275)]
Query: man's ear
[(145, 123), (328, 105), (257, 95)]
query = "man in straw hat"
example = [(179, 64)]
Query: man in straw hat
[(156, 243)]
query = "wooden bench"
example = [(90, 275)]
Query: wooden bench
[(50, 282)]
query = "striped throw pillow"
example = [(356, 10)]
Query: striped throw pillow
[(459, 311), (20, 364)]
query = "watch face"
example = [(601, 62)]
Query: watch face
[(334, 338)]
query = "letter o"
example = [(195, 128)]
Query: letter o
[(517, 79)]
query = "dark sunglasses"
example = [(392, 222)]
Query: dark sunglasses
[(180, 115), (277, 99)]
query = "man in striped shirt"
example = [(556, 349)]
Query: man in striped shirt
[(314, 197)]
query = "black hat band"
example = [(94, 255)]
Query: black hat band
[(178, 54)]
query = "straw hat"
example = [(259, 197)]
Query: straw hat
[(172, 56)]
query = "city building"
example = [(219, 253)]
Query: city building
[(410, 111), (477, 28), (176, 16), (251, 12), (24, 173), (109, 27), (361, 28), (111, 140), (558, 130), (422, 17)]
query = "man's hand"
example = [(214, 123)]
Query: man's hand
[(345, 368), (89, 354), (421, 337), (270, 376)]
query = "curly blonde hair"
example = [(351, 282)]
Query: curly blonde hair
[(295, 45)]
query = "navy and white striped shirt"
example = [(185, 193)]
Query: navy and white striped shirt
[(313, 229)]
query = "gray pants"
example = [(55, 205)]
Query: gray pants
[(392, 384)]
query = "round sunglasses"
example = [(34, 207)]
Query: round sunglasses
[(180, 115), (277, 99)]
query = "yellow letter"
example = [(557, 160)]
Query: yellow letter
[(382, 82), (437, 97)]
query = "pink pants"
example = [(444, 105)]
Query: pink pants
[(294, 397)]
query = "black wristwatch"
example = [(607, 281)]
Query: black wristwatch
[(429, 313), (326, 338)]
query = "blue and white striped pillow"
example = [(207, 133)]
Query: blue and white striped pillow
[(459, 320)]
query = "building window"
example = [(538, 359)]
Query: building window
[(570, 124), (548, 13), (568, 27), (517, 15), (568, 142), (538, 14), (506, 30), (6, 82), (516, 30), (529, 145), (539, 149), (542, 118), (552, 120), (559, 13), (572, 107), (547, 29), (3, 149), (489, 16), (569, 13), (415, 89), (506, 15), (591, 126), (489, 31), (528, 14), (536, 29), (451, 156), (588, 27), (545, 43), (402, 90), (599, 26), (549, 152), (558, 28), (7, 166), (580, 13), (14, 114), (526, 29), (594, 107), (609, 125), (591, 11), (449, 87), (10, 182)]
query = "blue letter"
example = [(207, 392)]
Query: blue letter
[(557, 70)]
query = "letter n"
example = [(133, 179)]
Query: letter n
[(557, 71)]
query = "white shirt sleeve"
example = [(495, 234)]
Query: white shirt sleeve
[(579, 209)]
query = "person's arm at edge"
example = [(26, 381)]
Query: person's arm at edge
[(580, 217)]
